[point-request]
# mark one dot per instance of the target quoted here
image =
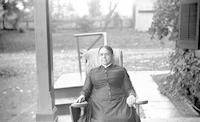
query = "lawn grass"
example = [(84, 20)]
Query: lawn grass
[(18, 87), (126, 39), (64, 40), (18, 82)]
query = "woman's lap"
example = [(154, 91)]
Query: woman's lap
[(111, 111)]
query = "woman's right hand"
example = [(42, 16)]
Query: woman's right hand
[(80, 99)]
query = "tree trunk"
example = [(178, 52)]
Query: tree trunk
[(3, 22), (108, 17), (15, 24), (133, 17)]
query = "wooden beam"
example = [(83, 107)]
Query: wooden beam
[(94, 34), (46, 103), (94, 42), (89, 34)]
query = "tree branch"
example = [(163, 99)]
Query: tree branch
[(109, 15)]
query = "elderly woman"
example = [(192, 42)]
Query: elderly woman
[(109, 91)]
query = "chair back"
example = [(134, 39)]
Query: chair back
[(92, 59)]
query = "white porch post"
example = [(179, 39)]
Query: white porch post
[(46, 110)]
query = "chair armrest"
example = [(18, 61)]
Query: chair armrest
[(85, 103), (79, 105), (141, 102)]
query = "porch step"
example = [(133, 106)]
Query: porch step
[(67, 118), (69, 80), (67, 92), (62, 105), (63, 109), (61, 101), (67, 88)]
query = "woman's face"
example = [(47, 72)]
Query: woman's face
[(105, 56)]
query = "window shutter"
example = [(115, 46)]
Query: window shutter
[(189, 25)]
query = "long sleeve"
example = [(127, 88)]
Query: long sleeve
[(128, 85), (87, 86)]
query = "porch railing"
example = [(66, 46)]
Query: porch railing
[(99, 34)]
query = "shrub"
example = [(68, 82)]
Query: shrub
[(186, 74), (185, 66)]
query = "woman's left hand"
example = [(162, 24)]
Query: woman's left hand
[(131, 100)]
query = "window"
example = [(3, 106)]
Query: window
[(189, 25)]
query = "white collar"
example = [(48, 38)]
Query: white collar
[(105, 66)]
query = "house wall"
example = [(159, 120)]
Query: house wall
[(143, 21), (144, 14)]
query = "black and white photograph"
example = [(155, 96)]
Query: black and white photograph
[(99, 61)]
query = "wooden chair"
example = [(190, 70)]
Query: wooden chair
[(91, 61)]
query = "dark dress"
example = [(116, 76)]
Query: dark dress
[(106, 90)]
